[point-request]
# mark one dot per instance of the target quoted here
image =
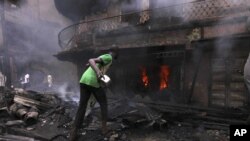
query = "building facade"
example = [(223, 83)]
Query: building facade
[(188, 52)]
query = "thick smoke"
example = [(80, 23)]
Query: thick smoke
[(164, 3), (77, 9), (67, 93), (32, 31), (135, 5)]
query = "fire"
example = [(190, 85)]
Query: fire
[(164, 76), (145, 80)]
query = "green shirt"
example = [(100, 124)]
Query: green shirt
[(89, 76)]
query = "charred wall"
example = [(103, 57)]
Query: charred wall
[(201, 29), (154, 73), (214, 73), (211, 74), (149, 72)]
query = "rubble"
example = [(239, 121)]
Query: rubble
[(14, 122), (8, 137), (33, 114), (129, 119)]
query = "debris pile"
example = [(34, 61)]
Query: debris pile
[(31, 115), (40, 116)]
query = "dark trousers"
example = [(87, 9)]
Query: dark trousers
[(85, 93)]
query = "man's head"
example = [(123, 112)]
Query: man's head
[(114, 51)]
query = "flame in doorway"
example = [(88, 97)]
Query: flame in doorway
[(164, 76), (145, 80)]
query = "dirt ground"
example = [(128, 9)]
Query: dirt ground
[(178, 133)]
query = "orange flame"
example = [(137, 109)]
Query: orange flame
[(164, 75), (145, 80)]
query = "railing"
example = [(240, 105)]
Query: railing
[(83, 33)]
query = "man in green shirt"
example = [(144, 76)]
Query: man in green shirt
[(90, 84)]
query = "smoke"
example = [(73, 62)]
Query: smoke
[(164, 3), (135, 5), (31, 32), (66, 93), (77, 9), (131, 6), (166, 7), (223, 47)]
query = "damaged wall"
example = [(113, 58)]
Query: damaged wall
[(214, 73), (123, 18), (205, 20)]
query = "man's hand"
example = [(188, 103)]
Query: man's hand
[(92, 63), (99, 75)]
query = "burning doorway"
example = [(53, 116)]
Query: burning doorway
[(163, 77), (155, 77), (155, 72)]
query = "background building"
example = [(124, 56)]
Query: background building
[(185, 51)]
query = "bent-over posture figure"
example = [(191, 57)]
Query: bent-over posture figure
[(89, 84)]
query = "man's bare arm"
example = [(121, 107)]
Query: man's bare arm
[(92, 63)]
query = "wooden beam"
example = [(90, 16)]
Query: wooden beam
[(30, 102)]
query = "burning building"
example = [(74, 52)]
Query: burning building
[(181, 64), (185, 52)]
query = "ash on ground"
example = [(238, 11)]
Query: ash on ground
[(47, 117)]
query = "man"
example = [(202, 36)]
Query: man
[(26, 82), (2, 79), (90, 84), (49, 80), (247, 73)]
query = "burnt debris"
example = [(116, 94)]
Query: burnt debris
[(31, 115)]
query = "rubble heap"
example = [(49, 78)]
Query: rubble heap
[(31, 115)]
